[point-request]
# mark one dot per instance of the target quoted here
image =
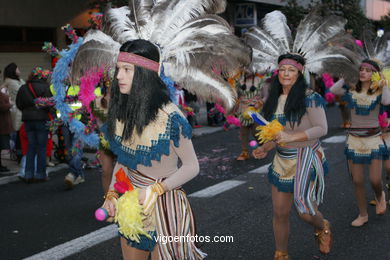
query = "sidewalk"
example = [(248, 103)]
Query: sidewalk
[(11, 176)]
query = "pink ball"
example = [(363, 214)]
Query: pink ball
[(101, 214), (253, 144)]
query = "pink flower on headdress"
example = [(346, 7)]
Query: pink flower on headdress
[(359, 42), (328, 80)]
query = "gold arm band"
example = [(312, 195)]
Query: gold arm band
[(111, 194), (158, 188)]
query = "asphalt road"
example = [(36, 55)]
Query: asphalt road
[(38, 217)]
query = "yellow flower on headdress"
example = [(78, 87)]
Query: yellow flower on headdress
[(375, 77), (269, 131)]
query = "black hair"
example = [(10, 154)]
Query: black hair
[(358, 87), (147, 95), (295, 106), (10, 71)]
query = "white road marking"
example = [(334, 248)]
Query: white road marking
[(101, 235), (77, 245), (263, 169), (216, 189), (335, 139)]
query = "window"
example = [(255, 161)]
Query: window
[(25, 39)]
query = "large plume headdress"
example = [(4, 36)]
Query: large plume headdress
[(375, 48), (198, 49), (322, 42)]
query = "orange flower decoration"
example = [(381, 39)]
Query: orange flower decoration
[(123, 182)]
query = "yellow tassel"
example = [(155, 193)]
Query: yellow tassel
[(249, 109), (104, 142), (129, 216), (268, 132)]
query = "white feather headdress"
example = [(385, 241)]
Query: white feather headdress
[(322, 41), (194, 43), (376, 48)]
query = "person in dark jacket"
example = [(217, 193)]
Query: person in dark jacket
[(6, 126), (35, 120)]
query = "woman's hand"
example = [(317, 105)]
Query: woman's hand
[(110, 205), (142, 196), (283, 137), (259, 153)]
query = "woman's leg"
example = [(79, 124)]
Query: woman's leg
[(107, 162), (377, 185), (357, 171), (32, 150), (244, 137), (131, 253), (317, 221), (376, 177), (42, 135), (281, 202)]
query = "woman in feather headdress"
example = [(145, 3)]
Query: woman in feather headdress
[(144, 129), (299, 166), (149, 134), (298, 169), (364, 145)]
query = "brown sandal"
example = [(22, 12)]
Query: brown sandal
[(281, 255), (243, 156), (324, 238)]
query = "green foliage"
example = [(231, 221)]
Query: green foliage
[(349, 9), (101, 4), (384, 22)]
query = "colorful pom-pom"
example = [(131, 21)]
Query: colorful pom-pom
[(101, 214)]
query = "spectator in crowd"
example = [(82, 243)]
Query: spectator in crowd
[(12, 83), (35, 120), (5, 126)]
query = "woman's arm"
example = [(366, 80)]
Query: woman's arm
[(385, 95), (337, 87), (189, 168), (317, 118), (5, 105)]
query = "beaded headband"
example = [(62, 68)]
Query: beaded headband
[(139, 61), (292, 63), (368, 65)]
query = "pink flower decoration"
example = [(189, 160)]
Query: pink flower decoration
[(383, 120), (220, 108), (121, 186), (359, 42), (328, 80), (233, 120), (329, 97)]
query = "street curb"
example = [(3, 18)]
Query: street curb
[(14, 178)]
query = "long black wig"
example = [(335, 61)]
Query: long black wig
[(358, 87), (147, 95), (295, 106), (10, 71)]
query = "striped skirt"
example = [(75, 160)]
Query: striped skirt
[(300, 171), (173, 217)]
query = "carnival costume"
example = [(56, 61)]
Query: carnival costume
[(314, 42), (300, 167), (250, 99), (197, 51)]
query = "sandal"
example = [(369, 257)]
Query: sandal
[(359, 221), (381, 205), (281, 255), (243, 156), (324, 238)]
